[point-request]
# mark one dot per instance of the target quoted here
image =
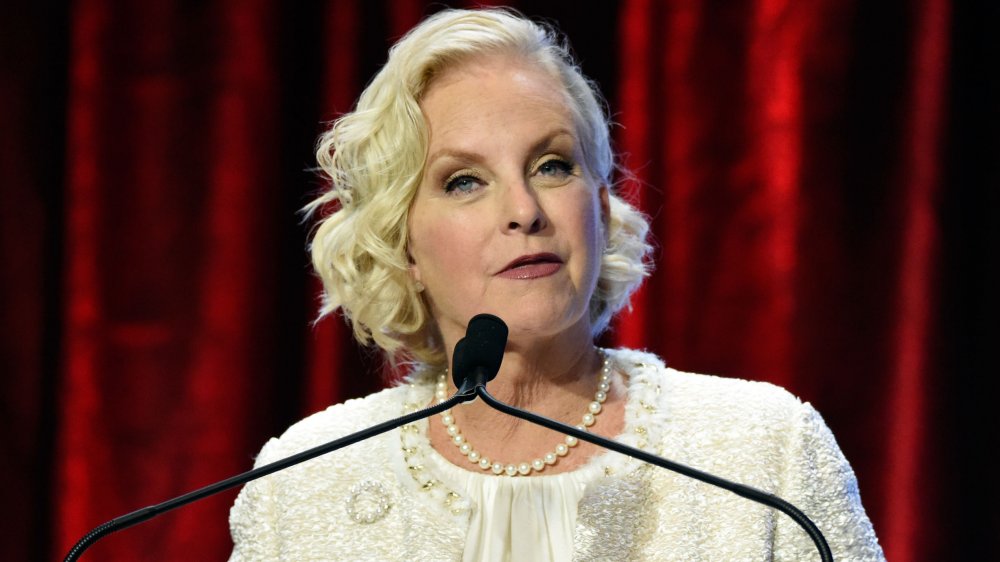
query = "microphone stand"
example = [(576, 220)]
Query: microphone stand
[(478, 383), (472, 386), (464, 394)]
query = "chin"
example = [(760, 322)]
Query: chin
[(535, 321)]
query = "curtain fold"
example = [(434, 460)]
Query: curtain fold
[(822, 210), (170, 210), (908, 534)]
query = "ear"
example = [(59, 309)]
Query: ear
[(414, 272)]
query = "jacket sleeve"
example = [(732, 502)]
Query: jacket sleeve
[(253, 516), (820, 482)]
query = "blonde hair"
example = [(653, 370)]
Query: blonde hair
[(374, 158)]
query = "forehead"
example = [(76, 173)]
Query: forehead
[(494, 86)]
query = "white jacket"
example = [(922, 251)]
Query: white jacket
[(377, 501)]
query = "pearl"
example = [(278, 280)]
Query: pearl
[(550, 458)]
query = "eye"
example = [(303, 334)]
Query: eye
[(555, 167), (462, 183)]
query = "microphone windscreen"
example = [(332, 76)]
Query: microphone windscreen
[(482, 346)]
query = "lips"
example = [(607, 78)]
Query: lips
[(532, 266)]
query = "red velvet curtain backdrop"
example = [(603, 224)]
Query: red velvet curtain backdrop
[(820, 177), (736, 126)]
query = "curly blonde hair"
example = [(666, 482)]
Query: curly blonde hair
[(374, 159)]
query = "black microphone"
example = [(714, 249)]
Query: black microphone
[(483, 353), (478, 355)]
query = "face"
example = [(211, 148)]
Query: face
[(507, 219)]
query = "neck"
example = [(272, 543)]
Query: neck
[(538, 371)]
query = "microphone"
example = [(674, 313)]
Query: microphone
[(479, 363), (478, 355)]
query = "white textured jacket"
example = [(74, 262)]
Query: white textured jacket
[(377, 501)]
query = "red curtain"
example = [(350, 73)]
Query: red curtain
[(820, 176)]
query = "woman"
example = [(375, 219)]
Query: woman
[(474, 176)]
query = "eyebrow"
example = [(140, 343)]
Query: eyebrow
[(544, 142)]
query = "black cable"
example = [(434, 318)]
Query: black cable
[(145, 513)]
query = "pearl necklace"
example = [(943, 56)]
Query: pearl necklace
[(539, 464)]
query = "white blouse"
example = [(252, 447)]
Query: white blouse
[(535, 517), (518, 518)]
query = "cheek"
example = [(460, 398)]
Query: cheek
[(442, 247), (587, 220), (590, 233)]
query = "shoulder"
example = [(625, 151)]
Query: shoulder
[(344, 505), (334, 422), (710, 395), (757, 434), (732, 398), (741, 428)]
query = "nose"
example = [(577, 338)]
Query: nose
[(522, 209)]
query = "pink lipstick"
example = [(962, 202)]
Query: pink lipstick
[(532, 266)]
